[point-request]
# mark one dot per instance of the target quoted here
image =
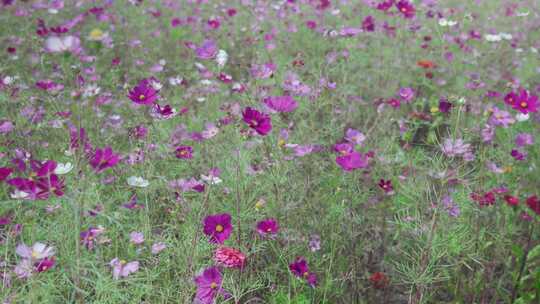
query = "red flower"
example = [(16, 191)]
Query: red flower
[(511, 200), (379, 280), (534, 203), (229, 257)]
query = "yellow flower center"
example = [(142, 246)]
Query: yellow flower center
[(434, 109), (219, 228), (141, 97), (96, 34), (213, 285), (35, 254), (523, 104), (306, 274)]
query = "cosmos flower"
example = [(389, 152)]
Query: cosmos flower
[(406, 94), (137, 181), (511, 200), (300, 269), (5, 172), (524, 102), (406, 8), (386, 186), (218, 227), (122, 269), (524, 139), (144, 93), (38, 251), (534, 203), (260, 122), (368, 24), (209, 286), (352, 161), (268, 227), (37, 258), (103, 159), (207, 50), (56, 44), (354, 136), (89, 237), (158, 247), (136, 237), (281, 103), (229, 257), (379, 280), (455, 147), (500, 118), (184, 152)]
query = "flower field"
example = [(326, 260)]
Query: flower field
[(270, 151)]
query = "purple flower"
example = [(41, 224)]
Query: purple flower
[(184, 152), (445, 106), (281, 103), (207, 50), (352, 161), (488, 133), (450, 206), (406, 94), (122, 268), (518, 155), (501, 118), (354, 136), (525, 103), (268, 227), (144, 93), (260, 122), (368, 24), (103, 159), (406, 8), (136, 237), (524, 139), (218, 227), (209, 286), (158, 247), (452, 148), (88, 237), (300, 269), (38, 251)]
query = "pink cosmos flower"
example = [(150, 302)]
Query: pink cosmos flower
[(352, 161), (184, 152), (522, 139), (406, 94), (501, 118), (268, 227), (89, 236), (136, 237), (406, 8), (229, 257), (207, 50), (260, 122), (69, 43), (354, 136), (209, 286), (103, 159), (158, 247), (281, 103), (144, 93), (218, 227), (300, 269), (526, 103), (122, 269)]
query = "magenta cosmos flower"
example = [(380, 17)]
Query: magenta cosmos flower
[(268, 227), (144, 93), (406, 8), (209, 286), (184, 152), (103, 159), (260, 122), (218, 227), (352, 161), (524, 102), (281, 103), (300, 269)]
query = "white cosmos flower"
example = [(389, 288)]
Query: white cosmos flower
[(444, 22), (493, 38), (63, 168), (137, 181), (505, 36), (522, 117), (212, 180), (17, 194), (221, 58), (55, 44)]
